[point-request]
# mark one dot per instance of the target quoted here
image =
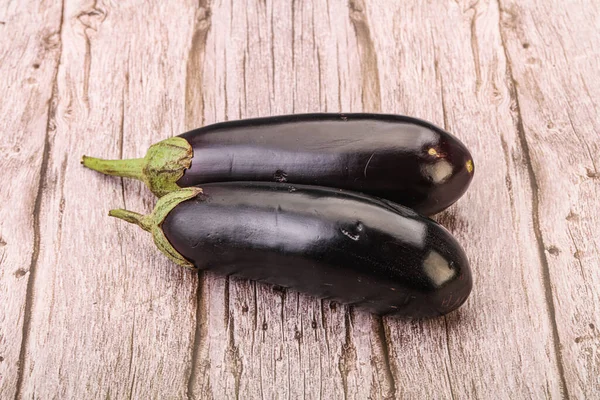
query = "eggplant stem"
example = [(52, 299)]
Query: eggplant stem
[(133, 168), (153, 222), (143, 221), (161, 168)]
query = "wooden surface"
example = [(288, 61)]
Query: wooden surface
[(90, 309)]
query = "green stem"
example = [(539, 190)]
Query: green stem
[(133, 168), (143, 221), (153, 222), (164, 163)]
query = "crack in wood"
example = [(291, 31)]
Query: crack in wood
[(194, 93), (34, 261), (475, 46), (438, 75), (233, 356), (29, 293), (324, 324), (379, 329), (583, 142), (131, 387), (547, 281), (61, 203), (194, 116), (371, 90), (322, 98), (448, 376), (226, 292), (347, 361), (131, 351), (508, 181), (91, 21), (200, 334)]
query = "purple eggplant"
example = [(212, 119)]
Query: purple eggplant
[(398, 158), (330, 243)]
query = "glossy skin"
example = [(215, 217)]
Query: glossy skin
[(402, 159), (325, 242)]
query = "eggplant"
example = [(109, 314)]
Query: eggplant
[(406, 160), (330, 243)]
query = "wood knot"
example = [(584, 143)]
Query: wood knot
[(20, 273), (509, 17), (554, 250), (572, 216), (92, 18), (203, 15), (51, 41), (357, 10), (592, 174), (531, 61)]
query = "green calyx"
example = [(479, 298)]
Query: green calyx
[(153, 222), (161, 168)]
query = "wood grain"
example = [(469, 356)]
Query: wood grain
[(259, 341), (109, 318), (460, 83), (29, 54), (557, 95), (90, 309)]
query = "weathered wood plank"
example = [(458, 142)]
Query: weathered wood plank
[(258, 341), (99, 312), (444, 62), (552, 47), (29, 53), (110, 317)]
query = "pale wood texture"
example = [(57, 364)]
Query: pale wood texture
[(29, 53), (90, 309)]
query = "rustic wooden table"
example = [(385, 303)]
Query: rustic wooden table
[(90, 309)]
